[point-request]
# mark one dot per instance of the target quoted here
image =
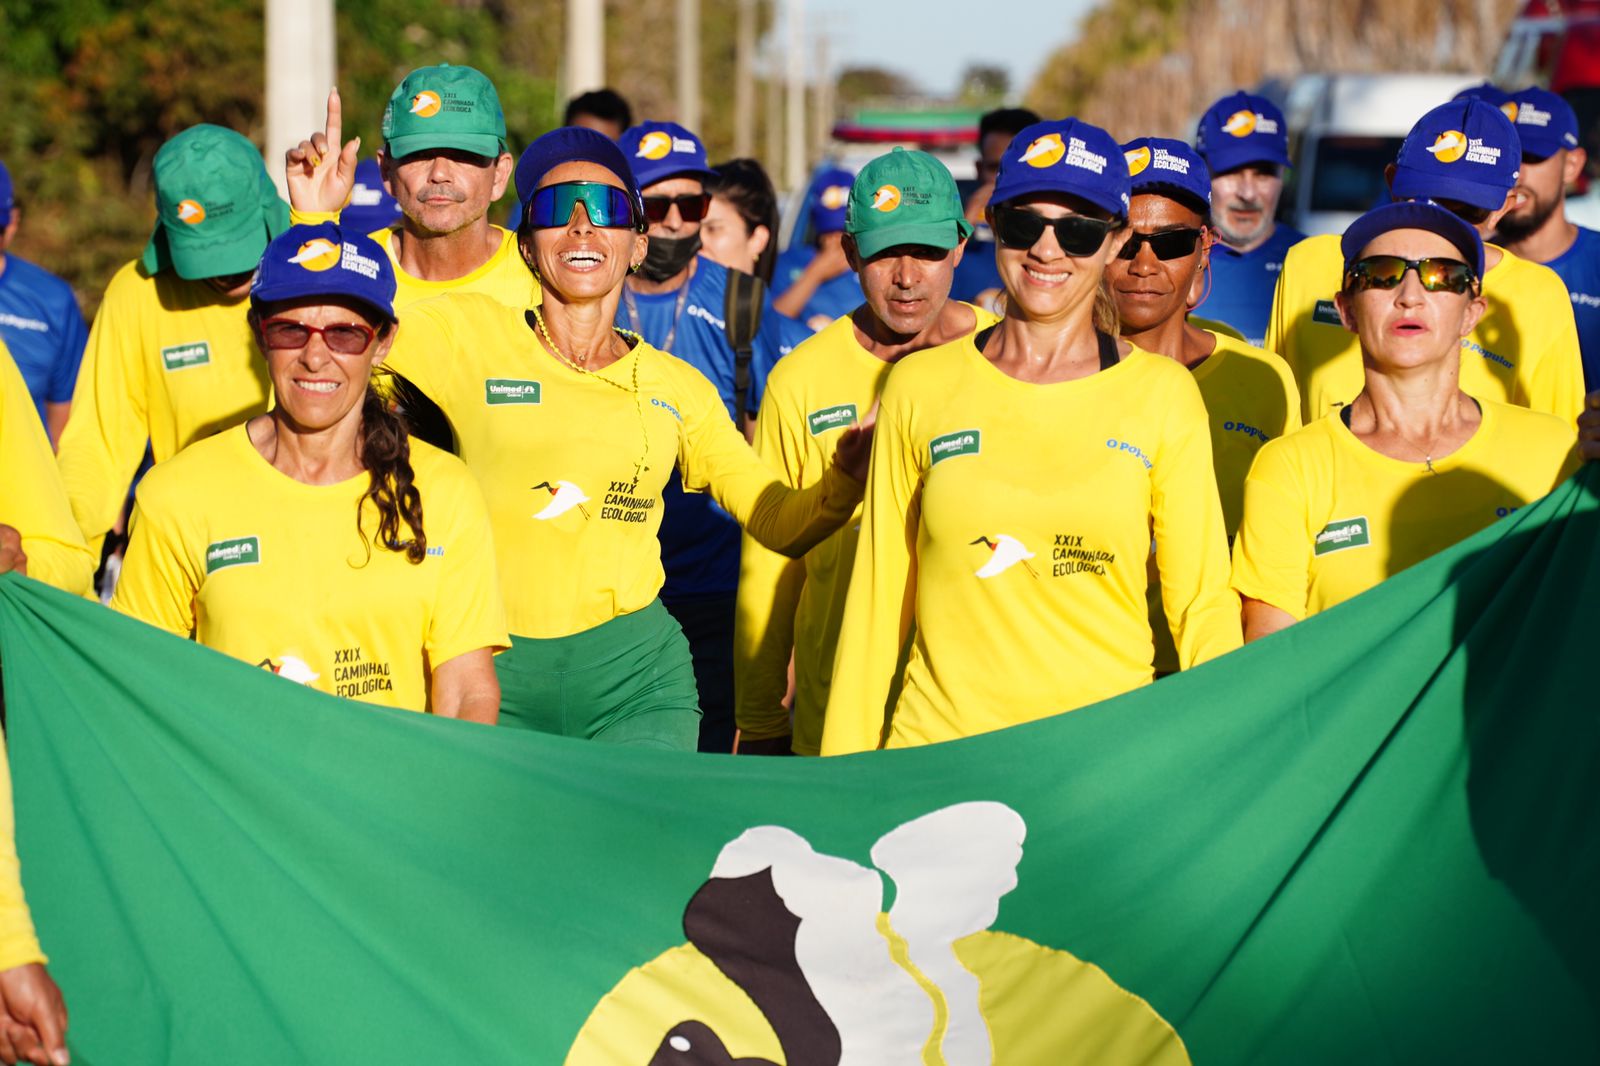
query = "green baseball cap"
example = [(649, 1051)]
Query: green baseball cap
[(216, 208), (444, 107), (905, 197)]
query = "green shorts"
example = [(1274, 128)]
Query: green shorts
[(626, 681)]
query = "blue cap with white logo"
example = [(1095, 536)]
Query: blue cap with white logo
[(1163, 165), (1465, 150), (325, 260), (370, 208), (1488, 92), (830, 195), (1413, 214), (1242, 129), (7, 196), (1067, 156), (661, 150), (1545, 122)]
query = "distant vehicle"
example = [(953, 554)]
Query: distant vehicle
[(1347, 128)]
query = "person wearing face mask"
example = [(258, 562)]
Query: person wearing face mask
[(1465, 156), (1244, 141), (1249, 394), (574, 424), (1017, 478), (904, 235), (170, 358)]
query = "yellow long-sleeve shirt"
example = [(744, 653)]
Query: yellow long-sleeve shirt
[(1523, 352), (573, 463), (797, 605), (32, 500), (169, 361), (1006, 531), (19, 944)]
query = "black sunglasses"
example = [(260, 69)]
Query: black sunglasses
[(692, 208), (1168, 244), (1388, 271), (1078, 235)]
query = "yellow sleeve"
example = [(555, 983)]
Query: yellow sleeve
[(1277, 328), (19, 944), (159, 578), (469, 613), (298, 217), (33, 501), (1555, 384), (713, 455), (424, 346), (107, 431), (1271, 559), (881, 604), (769, 593), (1191, 539)]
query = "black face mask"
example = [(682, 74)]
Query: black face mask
[(668, 256)]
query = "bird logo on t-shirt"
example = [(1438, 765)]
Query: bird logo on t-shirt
[(291, 669), (564, 496), (1005, 551)]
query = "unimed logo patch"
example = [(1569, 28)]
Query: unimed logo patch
[(961, 442), (510, 390), (1326, 313), (184, 356), (1342, 533), (836, 417), (240, 551)]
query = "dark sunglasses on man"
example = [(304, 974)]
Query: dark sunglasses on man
[(692, 207)]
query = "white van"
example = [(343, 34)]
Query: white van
[(1349, 128)]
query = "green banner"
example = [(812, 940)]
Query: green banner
[(1371, 838)]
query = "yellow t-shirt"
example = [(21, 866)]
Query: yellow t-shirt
[(1250, 399), (573, 463), (1524, 351), (19, 944), (169, 361), (824, 385), (274, 572), (1006, 531), (1326, 517), (32, 500)]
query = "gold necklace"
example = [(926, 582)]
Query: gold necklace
[(639, 467)]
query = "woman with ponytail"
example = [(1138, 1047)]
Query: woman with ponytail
[(1018, 479), (319, 541)]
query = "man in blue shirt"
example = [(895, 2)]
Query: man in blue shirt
[(1245, 142), (39, 322), (813, 282), (1538, 229), (977, 279), (676, 301)]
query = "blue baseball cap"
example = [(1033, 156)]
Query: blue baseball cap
[(370, 208), (1242, 129), (1067, 156), (1488, 92), (661, 150), (1464, 150), (1545, 122), (1413, 214), (1163, 165), (8, 196), (325, 260), (573, 144), (830, 195)]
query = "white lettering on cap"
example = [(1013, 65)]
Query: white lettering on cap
[(1078, 155)]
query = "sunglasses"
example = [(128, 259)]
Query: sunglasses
[(346, 338), (1168, 244), (1388, 271), (606, 205), (1078, 235), (693, 208)]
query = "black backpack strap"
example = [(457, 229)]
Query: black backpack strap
[(742, 313)]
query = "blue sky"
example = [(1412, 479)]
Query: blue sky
[(933, 41)]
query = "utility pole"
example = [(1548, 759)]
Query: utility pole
[(821, 101), (795, 161), (586, 46), (689, 64), (744, 81), (300, 69), (774, 153)]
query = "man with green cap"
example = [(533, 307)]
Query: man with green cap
[(170, 357), (904, 234)]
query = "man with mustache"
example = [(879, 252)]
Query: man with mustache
[(1245, 143)]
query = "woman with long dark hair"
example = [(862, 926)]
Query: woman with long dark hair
[(297, 541)]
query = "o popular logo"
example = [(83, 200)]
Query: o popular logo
[(1045, 151), (1137, 159), (426, 104), (886, 199), (1240, 124), (834, 196), (1448, 146), (191, 211), (654, 145), (318, 254)]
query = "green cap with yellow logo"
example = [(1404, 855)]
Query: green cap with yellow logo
[(905, 197), (444, 107), (216, 208)]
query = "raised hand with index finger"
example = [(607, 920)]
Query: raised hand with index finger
[(321, 171)]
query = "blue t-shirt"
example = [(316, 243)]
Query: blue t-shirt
[(1579, 267), (42, 326), (778, 336), (1242, 284), (834, 297), (699, 540), (977, 271)]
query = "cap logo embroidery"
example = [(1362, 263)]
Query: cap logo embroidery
[(318, 254), (1511, 110), (1137, 159), (654, 145), (1045, 151), (426, 104), (1449, 146), (886, 199), (834, 196), (191, 211), (1528, 115), (1078, 155)]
